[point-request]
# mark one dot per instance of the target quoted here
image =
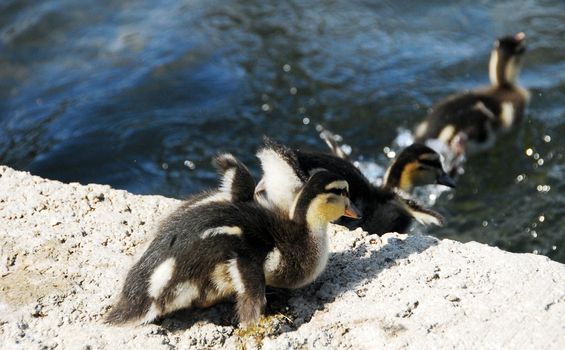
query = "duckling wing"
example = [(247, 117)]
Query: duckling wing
[(282, 176), (469, 112), (235, 179)]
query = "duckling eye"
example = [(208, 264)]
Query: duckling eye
[(332, 199), (339, 191)]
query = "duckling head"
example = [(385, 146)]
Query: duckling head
[(323, 199), (506, 59), (416, 165)]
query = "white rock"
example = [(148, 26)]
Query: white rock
[(402, 292)]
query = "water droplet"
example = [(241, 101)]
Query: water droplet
[(391, 154), (293, 90), (554, 247), (189, 164), (547, 138), (287, 68), (485, 223), (265, 107), (165, 166), (319, 128), (520, 178), (346, 149), (535, 251), (534, 234), (386, 150), (540, 161), (306, 121), (529, 152), (541, 218), (536, 156)]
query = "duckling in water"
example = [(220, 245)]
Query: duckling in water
[(416, 165), (383, 210), (216, 250), (470, 121)]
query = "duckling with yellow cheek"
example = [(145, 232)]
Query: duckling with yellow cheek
[(415, 165), (218, 250), (469, 122)]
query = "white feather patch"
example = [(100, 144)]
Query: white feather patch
[(421, 129), (227, 181), (271, 263), (236, 276), (185, 294), (281, 182), (151, 314), (481, 107), (447, 133), (507, 115), (222, 230), (160, 277), (216, 197), (492, 67), (423, 217)]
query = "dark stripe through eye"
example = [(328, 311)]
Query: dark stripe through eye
[(339, 191), (432, 163)]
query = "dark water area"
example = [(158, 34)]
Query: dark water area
[(141, 94)]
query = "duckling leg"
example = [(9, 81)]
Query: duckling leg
[(249, 281)]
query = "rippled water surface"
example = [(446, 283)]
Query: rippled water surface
[(141, 94)]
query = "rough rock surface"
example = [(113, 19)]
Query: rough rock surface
[(65, 250)]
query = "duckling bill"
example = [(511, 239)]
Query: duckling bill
[(209, 251)]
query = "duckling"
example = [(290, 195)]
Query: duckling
[(415, 165), (219, 250), (383, 210), (469, 122)]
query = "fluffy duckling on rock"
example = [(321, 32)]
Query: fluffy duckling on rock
[(382, 209), (416, 165), (217, 250), (469, 122)]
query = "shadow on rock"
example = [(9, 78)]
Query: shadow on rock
[(347, 270)]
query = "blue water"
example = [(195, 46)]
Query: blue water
[(141, 94)]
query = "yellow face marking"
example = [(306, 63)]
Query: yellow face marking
[(325, 208), (414, 174)]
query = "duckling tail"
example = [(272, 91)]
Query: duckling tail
[(134, 303), (235, 178), (423, 215), (331, 140)]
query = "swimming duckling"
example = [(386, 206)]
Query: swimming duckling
[(470, 121), (383, 210), (217, 250), (415, 165)]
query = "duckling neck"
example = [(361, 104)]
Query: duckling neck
[(499, 71)]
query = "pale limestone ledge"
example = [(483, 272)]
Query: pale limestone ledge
[(65, 250)]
